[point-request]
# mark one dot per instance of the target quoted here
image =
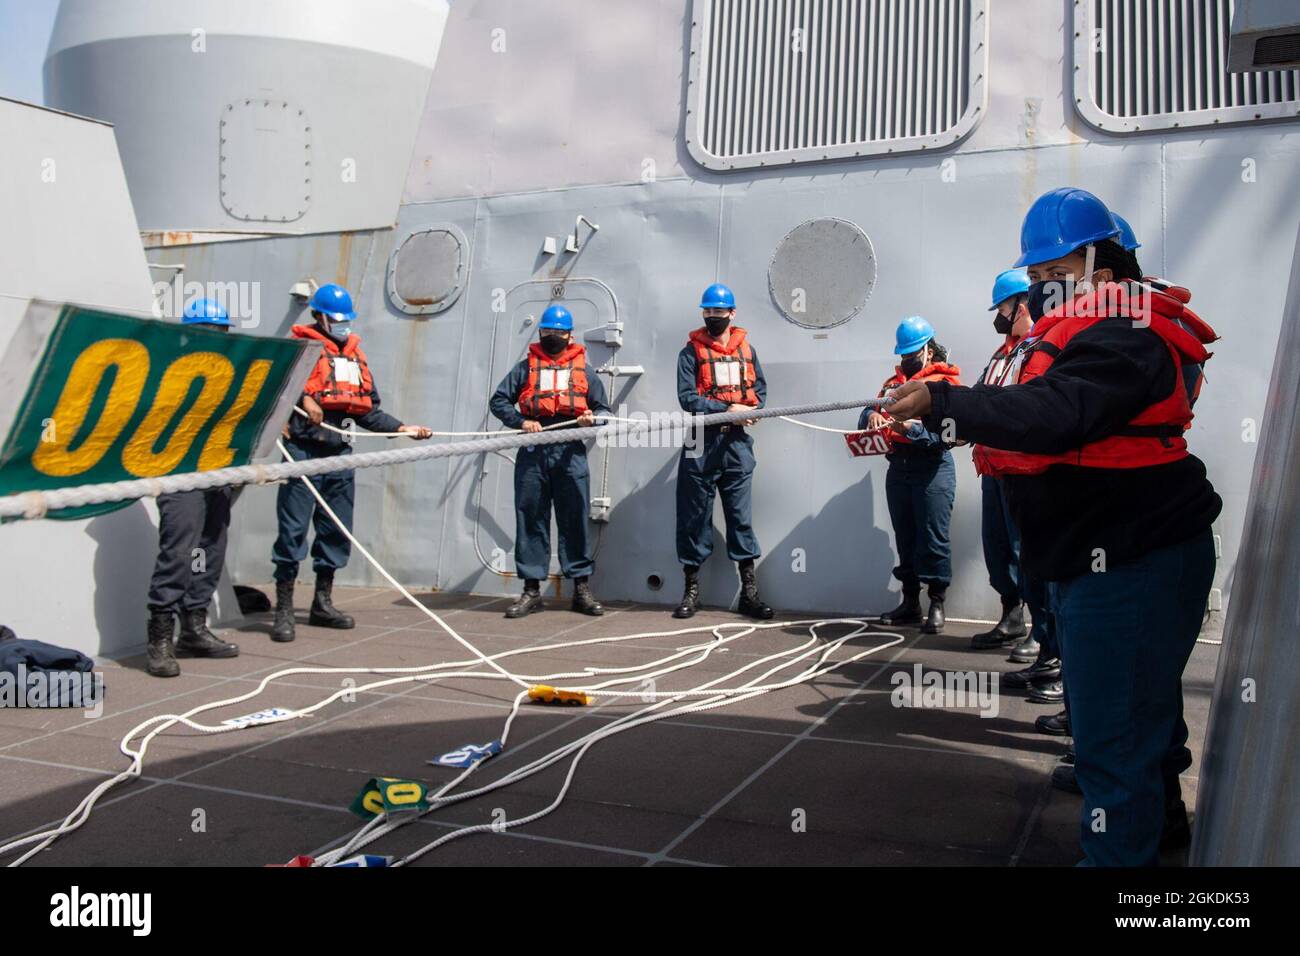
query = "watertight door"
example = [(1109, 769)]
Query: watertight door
[(595, 310)]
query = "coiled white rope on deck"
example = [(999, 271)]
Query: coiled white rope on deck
[(716, 696)]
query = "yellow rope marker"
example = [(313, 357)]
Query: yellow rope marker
[(546, 694)]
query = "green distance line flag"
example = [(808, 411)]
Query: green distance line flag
[(108, 397), (389, 796)]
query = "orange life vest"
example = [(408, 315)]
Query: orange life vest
[(341, 380), (1004, 365), (1153, 437), (934, 372), (725, 373), (557, 385)]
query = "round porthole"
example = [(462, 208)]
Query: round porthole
[(822, 273), (426, 273)]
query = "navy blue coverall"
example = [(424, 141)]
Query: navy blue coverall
[(192, 527), (920, 486), (1128, 555), (296, 509), (1001, 540), (724, 462), (547, 475)]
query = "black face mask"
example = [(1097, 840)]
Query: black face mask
[(717, 326), (1043, 297), (911, 364), (553, 344), (1002, 323)]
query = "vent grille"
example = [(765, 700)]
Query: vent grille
[(781, 81), (1157, 64), (1283, 48)]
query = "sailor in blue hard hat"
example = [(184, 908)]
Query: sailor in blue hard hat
[(552, 386), (340, 392), (1001, 540), (1114, 512), (191, 524), (920, 483), (207, 312), (1126, 238), (718, 371)]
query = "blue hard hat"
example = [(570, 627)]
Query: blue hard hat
[(204, 312), (334, 302), (556, 317), (1061, 221), (1126, 238), (717, 296), (913, 332), (1009, 283)]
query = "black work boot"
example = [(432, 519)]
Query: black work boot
[(529, 601), (1040, 671), (282, 631), (934, 620), (1046, 692), (1007, 631), (909, 612), (323, 612), (751, 605), (691, 596), (1057, 725), (1177, 832), (584, 602), (1063, 778), (1026, 651), (197, 641), (160, 657)]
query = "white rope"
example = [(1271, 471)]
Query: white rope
[(717, 696), (352, 433), (820, 428), (40, 502), (321, 503), (451, 669)]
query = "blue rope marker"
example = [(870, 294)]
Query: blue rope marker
[(467, 755), (364, 860)]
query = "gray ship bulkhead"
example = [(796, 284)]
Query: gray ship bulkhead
[(583, 113), (540, 113)]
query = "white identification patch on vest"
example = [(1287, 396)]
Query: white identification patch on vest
[(1011, 371), (553, 380), (997, 368), (726, 372), (347, 370)]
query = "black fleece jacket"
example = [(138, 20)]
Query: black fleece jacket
[(1103, 378)]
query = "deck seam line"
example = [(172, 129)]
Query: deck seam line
[(776, 758)]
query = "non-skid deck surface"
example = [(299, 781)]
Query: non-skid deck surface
[(828, 772)]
